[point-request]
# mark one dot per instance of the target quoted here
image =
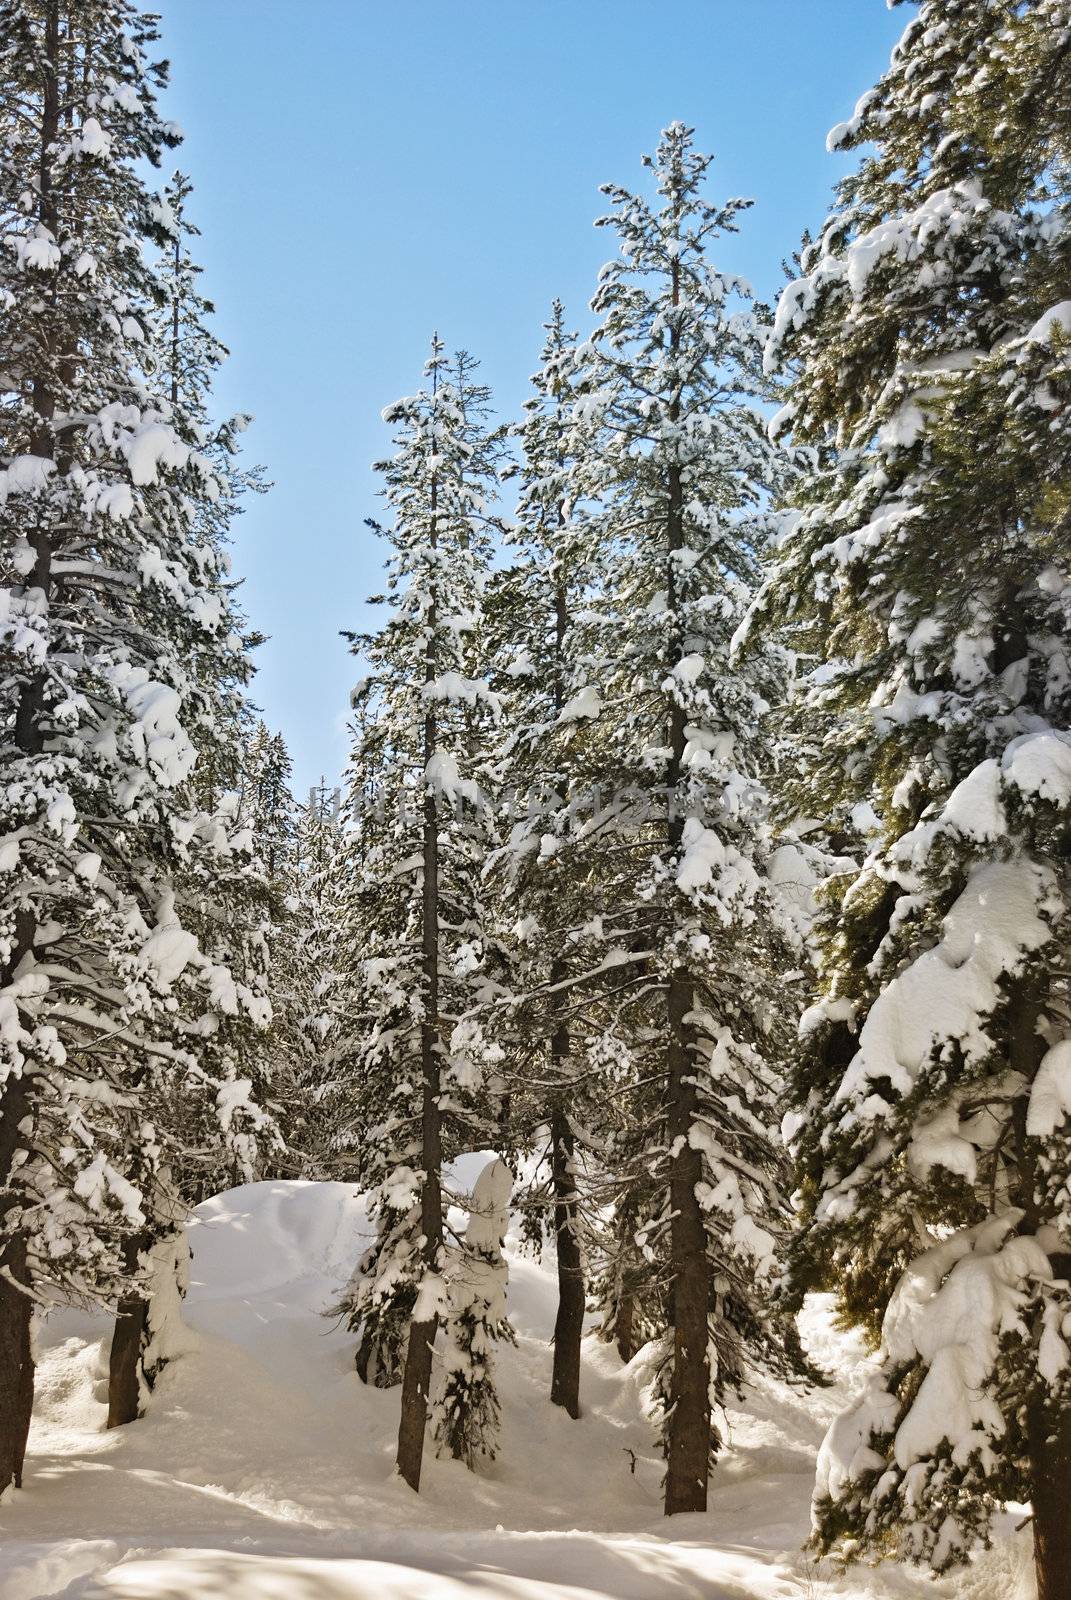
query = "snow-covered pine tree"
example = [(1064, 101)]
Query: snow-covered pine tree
[(682, 469), (928, 574), (321, 950), (113, 607), (222, 897), (467, 1406), (266, 802), (417, 913), (536, 648)]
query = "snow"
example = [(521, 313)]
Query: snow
[(156, 731), (151, 446), (949, 991), (1057, 317), (839, 135), (586, 703), (263, 1468), (950, 1309), (906, 237), (1050, 1092), (91, 140), (170, 948), (1040, 764), (689, 669), (443, 777), (40, 254), (25, 475), (702, 856)]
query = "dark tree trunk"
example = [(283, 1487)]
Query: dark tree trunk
[(130, 1336), (1048, 1430), (624, 1321), (416, 1386), (569, 1322), (1049, 1441), (16, 1368), (416, 1379), (16, 1310), (689, 1422), (16, 1307)]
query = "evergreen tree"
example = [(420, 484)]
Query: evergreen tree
[(927, 574), (321, 958), (418, 917), (114, 978), (467, 1408), (679, 837), (538, 903), (222, 899), (267, 806)]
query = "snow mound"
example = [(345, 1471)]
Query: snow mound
[(266, 1236), (264, 1468)]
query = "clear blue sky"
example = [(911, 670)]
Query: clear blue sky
[(369, 170)]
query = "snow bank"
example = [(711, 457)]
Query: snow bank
[(263, 1467)]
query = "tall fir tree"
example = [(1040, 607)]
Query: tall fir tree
[(224, 899), (676, 832), (117, 625), (533, 601), (928, 576), (418, 911)]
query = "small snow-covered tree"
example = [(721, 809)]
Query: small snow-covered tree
[(467, 1407), (416, 912), (928, 575), (322, 949), (267, 806), (115, 978)]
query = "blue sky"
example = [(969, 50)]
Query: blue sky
[(369, 170)]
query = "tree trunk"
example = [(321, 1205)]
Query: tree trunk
[(416, 1386), (689, 1422), (416, 1379), (569, 1322), (16, 1368), (1050, 1470), (16, 1309), (130, 1337), (624, 1337), (1048, 1431)]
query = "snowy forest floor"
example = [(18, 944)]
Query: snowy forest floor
[(263, 1470)]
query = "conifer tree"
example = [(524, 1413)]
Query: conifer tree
[(114, 986), (321, 950), (226, 906), (537, 651), (928, 575), (467, 1406), (267, 806), (678, 843), (418, 916)]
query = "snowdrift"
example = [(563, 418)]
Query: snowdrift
[(263, 1470)]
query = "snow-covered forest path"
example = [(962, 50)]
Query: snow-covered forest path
[(264, 1468)]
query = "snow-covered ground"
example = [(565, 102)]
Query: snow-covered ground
[(263, 1470)]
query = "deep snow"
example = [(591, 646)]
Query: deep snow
[(263, 1470)]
